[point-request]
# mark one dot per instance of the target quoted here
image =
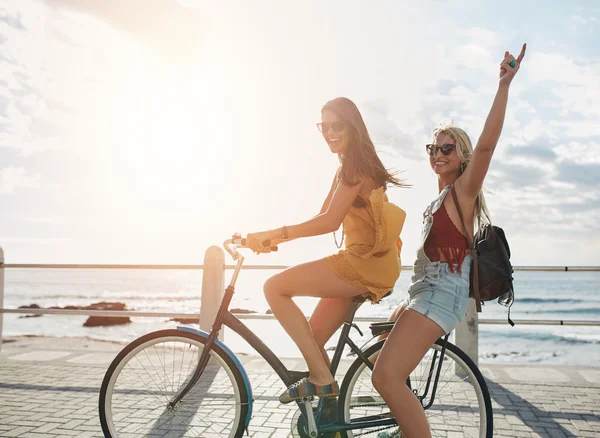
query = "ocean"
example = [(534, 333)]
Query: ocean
[(541, 295)]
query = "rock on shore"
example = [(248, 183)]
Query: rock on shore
[(94, 321)]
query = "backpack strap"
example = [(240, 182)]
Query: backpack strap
[(476, 294)]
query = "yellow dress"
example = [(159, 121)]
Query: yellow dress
[(372, 255)]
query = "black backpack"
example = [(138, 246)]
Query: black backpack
[(491, 270)]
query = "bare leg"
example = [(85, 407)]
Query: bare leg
[(327, 317), (393, 318), (397, 313), (310, 279), (406, 345)]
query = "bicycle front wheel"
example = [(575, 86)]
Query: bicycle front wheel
[(458, 404), (148, 373)]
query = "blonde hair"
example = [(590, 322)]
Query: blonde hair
[(464, 150)]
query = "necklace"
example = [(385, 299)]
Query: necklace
[(335, 238)]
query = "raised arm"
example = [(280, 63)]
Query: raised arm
[(471, 181)]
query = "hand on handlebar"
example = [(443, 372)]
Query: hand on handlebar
[(265, 250), (262, 242)]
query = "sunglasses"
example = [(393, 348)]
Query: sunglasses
[(445, 148), (338, 126)]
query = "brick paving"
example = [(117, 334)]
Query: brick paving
[(49, 388)]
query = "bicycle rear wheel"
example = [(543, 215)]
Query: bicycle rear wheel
[(148, 373), (461, 404)]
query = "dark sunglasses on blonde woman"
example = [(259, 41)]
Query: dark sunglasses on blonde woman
[(338, 126), (445, 148)]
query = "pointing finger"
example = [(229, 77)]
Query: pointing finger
[(522, 54)]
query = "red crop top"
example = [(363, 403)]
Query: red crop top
[(445, 243)]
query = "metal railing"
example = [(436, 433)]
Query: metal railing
[(466, 335), (251, 267), (264, 316), (153, 267)]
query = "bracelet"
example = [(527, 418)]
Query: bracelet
[(284, 232)]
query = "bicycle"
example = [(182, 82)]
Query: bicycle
[(186, 382)]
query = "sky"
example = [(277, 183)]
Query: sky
[(135, 131)]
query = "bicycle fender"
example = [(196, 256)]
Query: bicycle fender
[(234, 359)]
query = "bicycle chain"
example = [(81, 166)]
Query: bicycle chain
[(381, 429), (370, 431)]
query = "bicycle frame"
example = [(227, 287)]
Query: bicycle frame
[(288, 377)]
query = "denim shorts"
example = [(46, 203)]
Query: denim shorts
[(439, 294)]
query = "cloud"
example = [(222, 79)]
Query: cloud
[(558, 68), (63, 62), (54, 32), (587, 23), (175, 31), (473, 56), (40, 80), (582, 204), (14, 21), (581, 98), (538, 150), (485, 37), (585, 174), (28, 125), (4, 103), (580, 129), (451, 101), (546, 169), (13, 178), (587, 151), (4, 58), (552, 209), (383, 130), (564, 74), (502, 174), (560, 194)]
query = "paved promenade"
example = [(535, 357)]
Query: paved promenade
[(49, 388)]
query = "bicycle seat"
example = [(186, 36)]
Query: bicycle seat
[(377, 328), (359, 299)]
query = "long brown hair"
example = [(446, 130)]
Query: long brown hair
[(360, 158)]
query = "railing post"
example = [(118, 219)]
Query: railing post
[(466, 335), (213, 287), (1, 293)]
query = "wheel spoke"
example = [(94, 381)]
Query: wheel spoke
[(152, 371), (460, 406)]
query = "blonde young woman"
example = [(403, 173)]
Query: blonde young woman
[(368, 266), (439, 291)]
